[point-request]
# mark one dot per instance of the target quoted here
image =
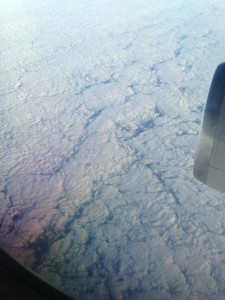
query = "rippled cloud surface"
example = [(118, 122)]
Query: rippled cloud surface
[(100, 109)]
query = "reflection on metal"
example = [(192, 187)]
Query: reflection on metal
[(209, 164)]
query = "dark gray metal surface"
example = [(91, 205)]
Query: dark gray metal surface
[(209, 164)]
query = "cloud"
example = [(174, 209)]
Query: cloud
[(101, 108)]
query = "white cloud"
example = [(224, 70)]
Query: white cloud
[(101, 104)]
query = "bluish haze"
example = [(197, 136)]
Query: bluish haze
[(100, 109)]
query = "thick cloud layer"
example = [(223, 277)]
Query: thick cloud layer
[(101, 104)]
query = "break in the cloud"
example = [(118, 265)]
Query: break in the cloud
[(101, 104)]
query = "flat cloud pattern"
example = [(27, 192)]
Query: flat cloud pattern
[(101, 104)]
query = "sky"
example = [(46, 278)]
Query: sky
[(100, 108)]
